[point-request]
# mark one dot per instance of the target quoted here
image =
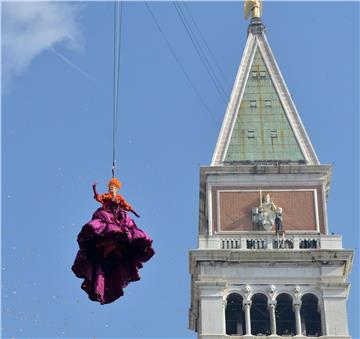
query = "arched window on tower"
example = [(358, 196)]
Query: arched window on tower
[(285, 317), (259, 315), (310, 316), (234, 315)]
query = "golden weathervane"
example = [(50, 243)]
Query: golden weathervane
[(253, 6)]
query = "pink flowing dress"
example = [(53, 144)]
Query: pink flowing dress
[(112, 250)]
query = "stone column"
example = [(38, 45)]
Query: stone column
[(272, 306), (247, 305), (322, 317), (297, 318), (224, 303)]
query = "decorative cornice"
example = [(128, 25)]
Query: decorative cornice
[(313, 257), (266, 169)]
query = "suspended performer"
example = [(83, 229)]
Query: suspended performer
[(112, 248)]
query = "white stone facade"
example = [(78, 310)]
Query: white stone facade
[(218, 273)]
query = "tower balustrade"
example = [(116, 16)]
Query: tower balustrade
[(270, 242)]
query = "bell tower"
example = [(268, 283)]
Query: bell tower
[(266, 265)]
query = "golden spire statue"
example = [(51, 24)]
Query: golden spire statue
[(253, 6)]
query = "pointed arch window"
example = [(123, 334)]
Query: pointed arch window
[(310, 316), (259, 315), (285, 317), (234, 315)]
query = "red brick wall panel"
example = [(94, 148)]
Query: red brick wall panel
[(299, 212)]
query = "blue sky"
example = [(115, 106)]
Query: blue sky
[(56, 135)]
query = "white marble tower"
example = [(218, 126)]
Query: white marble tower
[(266, 265)]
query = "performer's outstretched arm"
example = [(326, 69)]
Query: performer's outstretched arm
[(97, 197)]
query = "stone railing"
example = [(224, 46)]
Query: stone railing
[(270, 242), (230, 243)]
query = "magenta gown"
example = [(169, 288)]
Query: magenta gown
[(112, 250)]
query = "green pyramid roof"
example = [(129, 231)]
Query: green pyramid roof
[(262, 130), (261, 122)]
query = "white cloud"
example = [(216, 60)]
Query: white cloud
[(30, 28)]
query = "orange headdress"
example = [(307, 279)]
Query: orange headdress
[(114, 182)]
